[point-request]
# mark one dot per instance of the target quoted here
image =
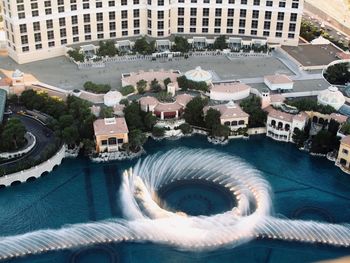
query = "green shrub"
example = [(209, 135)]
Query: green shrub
[(96, 88), (76, 55), (158, 131), (185, 128), (127, 90)]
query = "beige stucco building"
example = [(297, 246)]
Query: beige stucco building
[(232, 115), (343, 159), (40, 29), (110, 134)]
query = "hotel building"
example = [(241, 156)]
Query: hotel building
[(40, 29)]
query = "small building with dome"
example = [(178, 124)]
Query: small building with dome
[(199, 75), (332, 97), (112, 98)]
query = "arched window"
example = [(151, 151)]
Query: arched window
[(112, 141), (273, 123), (315, 119), (343, 162), (227, 123), (241, 122), (287, 127), (234, 123), (280, 125), (321, 121)]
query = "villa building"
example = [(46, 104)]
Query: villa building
[(165, 110), (110, 134), (231, 115), (281, 125), (38, 30), (343, 159)]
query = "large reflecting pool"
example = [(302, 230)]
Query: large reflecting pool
[(304, 187)]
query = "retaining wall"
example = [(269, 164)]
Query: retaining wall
[(36, 171)]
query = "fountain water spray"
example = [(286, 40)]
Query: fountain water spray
[(145, 220)]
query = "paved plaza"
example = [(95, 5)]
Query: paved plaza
[(60, 72)]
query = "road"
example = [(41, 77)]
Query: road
[(43, 136)]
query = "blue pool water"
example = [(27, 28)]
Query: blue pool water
[(304, 187)]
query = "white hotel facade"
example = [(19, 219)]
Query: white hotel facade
[(40, 29)]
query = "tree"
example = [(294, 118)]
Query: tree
[(155, 86), (181, 45), (66, 121), (12, 136), (333, 127), (220, 131), (126, 90), (141, 46), (166, 82), (220, 43), (124, 102), (149, 121), (186, 84), (136, 139), (88, 146), (338, 74), (70, 135), (107, 48), (96, 88), (252, 106), (107, 112), (133, 116), (141, 86), (194, 111), (324, 142), (186, 128), (307, 104), (165, 96), (76, 55), (212, 118), (158, 131), (300, 137)]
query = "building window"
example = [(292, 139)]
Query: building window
[(295, 5), (24, 39), (37, 37), (112, 26), (23, 28), (86, 18), (62, 21), (25, 49), (74, 20), (282, 4), (293, 17), (269, 3), (278, 34), (193, 11), (255, 14), (124, 14), (205, 11)]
